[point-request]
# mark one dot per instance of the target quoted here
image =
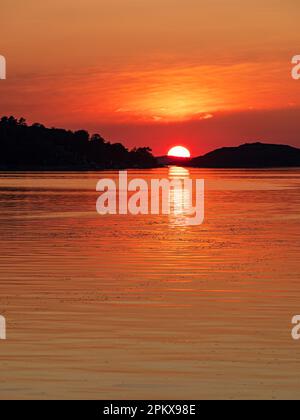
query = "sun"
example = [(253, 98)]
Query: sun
[(179, 151)]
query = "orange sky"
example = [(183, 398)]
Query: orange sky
[(204, 73)]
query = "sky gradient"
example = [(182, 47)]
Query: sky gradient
[(201, 73)]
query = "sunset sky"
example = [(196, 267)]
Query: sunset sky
[(201, 73)]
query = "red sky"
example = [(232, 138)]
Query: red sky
[(201, 73)]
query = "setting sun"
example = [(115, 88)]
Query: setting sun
[(179, 151)]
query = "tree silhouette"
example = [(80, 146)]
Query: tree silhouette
[(36, 147)]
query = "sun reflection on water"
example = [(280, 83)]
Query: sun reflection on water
[(180, 199)]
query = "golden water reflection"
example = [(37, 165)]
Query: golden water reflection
[(114, 307), (180, 200)]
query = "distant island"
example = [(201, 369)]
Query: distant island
[(249, 155), (35, 147)]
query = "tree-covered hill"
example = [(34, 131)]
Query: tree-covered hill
[(35, 147)]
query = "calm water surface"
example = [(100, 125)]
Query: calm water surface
[(111, 307)]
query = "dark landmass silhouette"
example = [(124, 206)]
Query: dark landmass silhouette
[(36, 147), (250, 155)]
